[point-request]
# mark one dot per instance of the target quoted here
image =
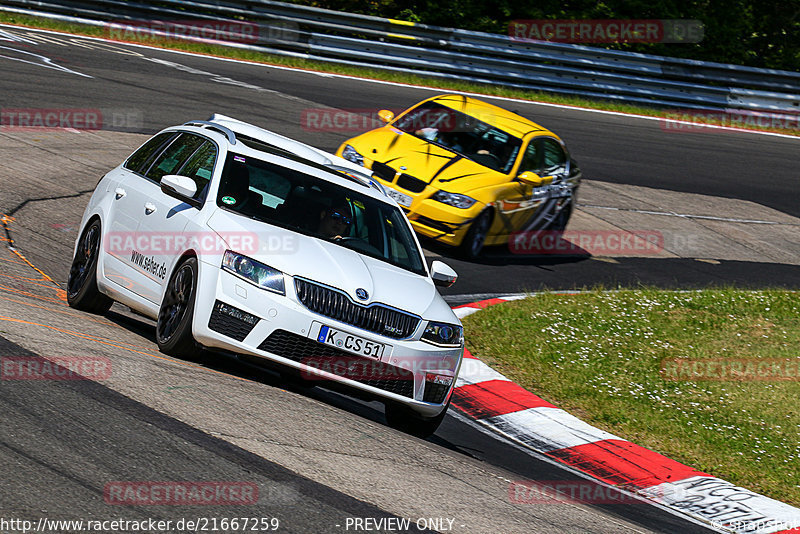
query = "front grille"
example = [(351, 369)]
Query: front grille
[(435, 393), (383, 171), (409, 183), (363, 370), (231, 321), (337, 305)]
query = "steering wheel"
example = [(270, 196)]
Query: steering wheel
[(487, 159)]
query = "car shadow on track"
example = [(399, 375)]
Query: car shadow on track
[(501, 255), (264, 372)]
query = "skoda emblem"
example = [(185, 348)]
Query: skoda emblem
[(362, 294)]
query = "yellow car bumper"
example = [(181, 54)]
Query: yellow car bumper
[(437, 220)]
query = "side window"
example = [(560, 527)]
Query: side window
[(200, 166), (140, 159), (169, 161), (554, 156), (530, 159)]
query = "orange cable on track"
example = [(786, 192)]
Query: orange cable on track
[(31, 295), (65, 312), (5, 220), (92, 338)]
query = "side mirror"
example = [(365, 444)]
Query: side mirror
[(531, 178), (180, 187), (385, 115), (442, 274)]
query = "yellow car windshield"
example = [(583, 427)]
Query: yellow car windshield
[(461, 133)]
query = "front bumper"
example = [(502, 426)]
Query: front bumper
[(431, 218), (233, 315)]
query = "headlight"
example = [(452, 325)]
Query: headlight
[(454, 199), (349, 153), (443, 335), (254, 272)]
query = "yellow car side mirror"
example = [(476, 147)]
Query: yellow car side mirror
[(385, 115), (530, 178)]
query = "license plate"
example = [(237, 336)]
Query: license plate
[(400, 198), (349, 342)]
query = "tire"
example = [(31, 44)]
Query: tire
[(473, 241), (403, 418), (82, 291), (559, 224), (174, 324)]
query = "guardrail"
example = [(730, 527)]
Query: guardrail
[(448, 53)]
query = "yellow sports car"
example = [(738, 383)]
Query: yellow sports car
[(469, 173)]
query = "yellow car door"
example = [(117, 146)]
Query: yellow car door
[(518, 202)]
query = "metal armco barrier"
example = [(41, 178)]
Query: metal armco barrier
[(447, 53)]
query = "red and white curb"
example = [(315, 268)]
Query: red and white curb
[(508, 409)]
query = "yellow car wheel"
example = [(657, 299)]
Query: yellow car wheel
[(473, 241)]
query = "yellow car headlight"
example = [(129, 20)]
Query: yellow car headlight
[(351, 154), (454, 199)]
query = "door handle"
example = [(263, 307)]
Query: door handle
[(119, 193), (149, 208)]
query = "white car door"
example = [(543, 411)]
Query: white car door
[(164, 219), (128, 195)]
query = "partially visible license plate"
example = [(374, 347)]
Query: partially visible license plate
[(349, 342), (400, 198)]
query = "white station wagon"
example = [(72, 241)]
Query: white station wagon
[(237, 239)]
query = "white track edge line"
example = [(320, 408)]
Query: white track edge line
[(411, 86)]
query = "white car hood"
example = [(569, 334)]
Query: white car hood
[(335, 266)]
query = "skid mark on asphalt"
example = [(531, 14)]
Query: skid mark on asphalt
[(68, 313), (45, 284)]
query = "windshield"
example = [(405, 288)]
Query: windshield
[(472, 138), (303, 203)]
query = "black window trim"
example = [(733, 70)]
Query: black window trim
[(157, 152), (167, 145), (539, 140), (561, 145), (202, 199)]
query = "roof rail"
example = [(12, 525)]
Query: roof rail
[(214, 126)]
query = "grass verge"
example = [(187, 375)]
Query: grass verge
[(599, 355), (378, 74)]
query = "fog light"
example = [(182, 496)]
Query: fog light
[(442, 380), (236, 313)]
